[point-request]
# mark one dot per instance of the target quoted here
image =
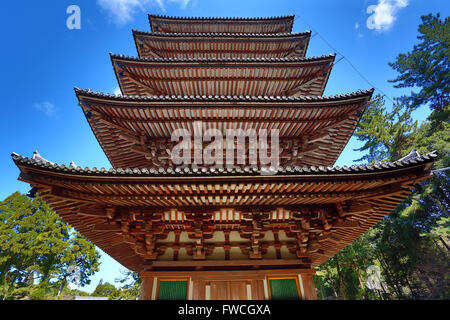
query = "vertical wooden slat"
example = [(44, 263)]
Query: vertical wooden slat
[(257, 289), (198, 292), (146, 289), (309, 287)]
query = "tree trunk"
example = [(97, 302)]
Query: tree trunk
[(361, 284), (321, 287), (405, 277), (61, 287), (332, 286), (341, 284), (444, 243), (393, 276), (389, 277), (428, 282)]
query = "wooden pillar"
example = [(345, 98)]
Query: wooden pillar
[(146, 288), (199, 289), (308, 287), (257, 287)]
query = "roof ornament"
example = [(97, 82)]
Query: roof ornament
[(38, 157), (73, 165), (412, 155)]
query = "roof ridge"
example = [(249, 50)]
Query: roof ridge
[(152, 59), (291, 16), (359, 93), (174, 34), (248, 170)]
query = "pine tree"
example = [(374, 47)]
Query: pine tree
[(37, 246)]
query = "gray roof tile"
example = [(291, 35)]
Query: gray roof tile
[(199, 171)]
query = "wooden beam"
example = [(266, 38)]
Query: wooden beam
[(106, 227), (345, 224), (245, 274)]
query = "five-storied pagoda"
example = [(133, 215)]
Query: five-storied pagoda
[(219, 232)]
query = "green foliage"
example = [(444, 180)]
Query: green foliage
[(412, 245), (130, 285), (387, 135), (36, 250), (36, 246), (430, 138), (427, 66), (105, 290)]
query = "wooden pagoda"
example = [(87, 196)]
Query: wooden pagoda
[(207, 232)]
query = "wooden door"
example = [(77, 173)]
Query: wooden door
[(228, 290), (219, 290)]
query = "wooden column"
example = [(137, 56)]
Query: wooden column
[(146, 288), (257, 289), (308, 287), (199, 289)]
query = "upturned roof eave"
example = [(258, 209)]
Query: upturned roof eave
[(120, 57), (214, 174), (310, 62), (290, 18), (89, 94), (219, 34)]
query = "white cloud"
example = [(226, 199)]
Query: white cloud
[(123, 11), (183, 3), (48, 108), (384, 14), (356, 25)]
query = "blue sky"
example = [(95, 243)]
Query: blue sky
[(43, 61)]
